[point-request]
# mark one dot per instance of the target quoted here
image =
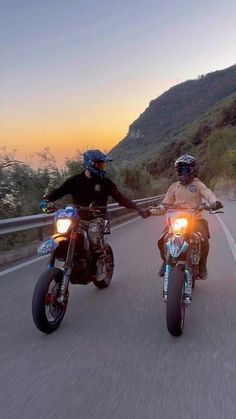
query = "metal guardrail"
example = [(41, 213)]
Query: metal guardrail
[(15, 225)]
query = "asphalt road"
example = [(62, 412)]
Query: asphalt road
[(112, 357)]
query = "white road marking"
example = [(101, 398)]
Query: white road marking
[(124, 224), (229, 237), (22, 265)]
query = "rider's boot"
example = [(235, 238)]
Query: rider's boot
[(203, 261), (160, 245), (100, 269), (100, 262), (203, 271)]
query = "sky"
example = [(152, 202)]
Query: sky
[(76, 73)]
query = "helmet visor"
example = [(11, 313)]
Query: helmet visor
[(99, 165), (184, 170)]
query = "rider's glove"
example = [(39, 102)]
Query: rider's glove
[(43, 204), (144, 212), (46, 206), (158, 210), (217, 205)]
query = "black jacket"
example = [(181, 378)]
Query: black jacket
[(85, 190)]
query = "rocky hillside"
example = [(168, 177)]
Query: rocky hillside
[(212, 140), (169, 116)]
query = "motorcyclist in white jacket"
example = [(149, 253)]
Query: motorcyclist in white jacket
[(189, 189)]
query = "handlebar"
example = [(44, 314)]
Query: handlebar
[(162, 208), (51, 208)]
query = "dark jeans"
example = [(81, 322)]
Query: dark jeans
[(201, 225)]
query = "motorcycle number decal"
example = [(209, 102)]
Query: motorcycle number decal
[(66, 213), (63, 213), (193, 188)]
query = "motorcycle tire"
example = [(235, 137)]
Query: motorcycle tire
[(47, 312), (109, 261), (175, 308)]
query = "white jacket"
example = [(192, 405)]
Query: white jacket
[(193, 193)]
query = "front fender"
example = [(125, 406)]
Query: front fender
[(176, 245), (50, 244)]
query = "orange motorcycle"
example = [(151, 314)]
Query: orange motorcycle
[(182, 247)]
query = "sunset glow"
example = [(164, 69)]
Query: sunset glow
[(77, 74)]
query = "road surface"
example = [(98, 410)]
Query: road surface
[(112, 357)]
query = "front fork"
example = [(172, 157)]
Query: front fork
[(64, 294), (165, 281), (187, 284)]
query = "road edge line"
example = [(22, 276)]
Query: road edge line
[(228, 236)]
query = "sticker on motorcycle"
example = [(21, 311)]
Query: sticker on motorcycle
[(48, 246)]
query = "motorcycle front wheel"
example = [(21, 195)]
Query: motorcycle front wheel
[(175, 308), (47, 311)]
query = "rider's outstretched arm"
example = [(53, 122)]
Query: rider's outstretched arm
[(65, 189), (124, 201)]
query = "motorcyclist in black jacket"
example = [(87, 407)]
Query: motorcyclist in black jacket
[(92, 186)]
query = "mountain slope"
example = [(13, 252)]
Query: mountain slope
[(169, 115), (212, 140)]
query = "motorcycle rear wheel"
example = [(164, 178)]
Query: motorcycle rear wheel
[(47, 311), (175, 308), (109, 261)]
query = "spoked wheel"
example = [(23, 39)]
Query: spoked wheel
[(47, 311), (175, 307), (109, 263)]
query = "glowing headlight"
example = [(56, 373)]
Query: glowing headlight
[(179, 224), (63, 225)]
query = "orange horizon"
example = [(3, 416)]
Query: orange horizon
[(61, 145)]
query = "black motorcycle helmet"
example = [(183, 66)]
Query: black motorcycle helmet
[(186, 168)]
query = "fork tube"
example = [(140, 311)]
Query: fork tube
[(51, 261), (68, 263), (71, 248), (165, 281), (188, 286)]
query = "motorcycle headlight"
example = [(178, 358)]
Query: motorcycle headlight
[(179, 225), (63, 225)]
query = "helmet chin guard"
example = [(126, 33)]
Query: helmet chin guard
[(185, 179)]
